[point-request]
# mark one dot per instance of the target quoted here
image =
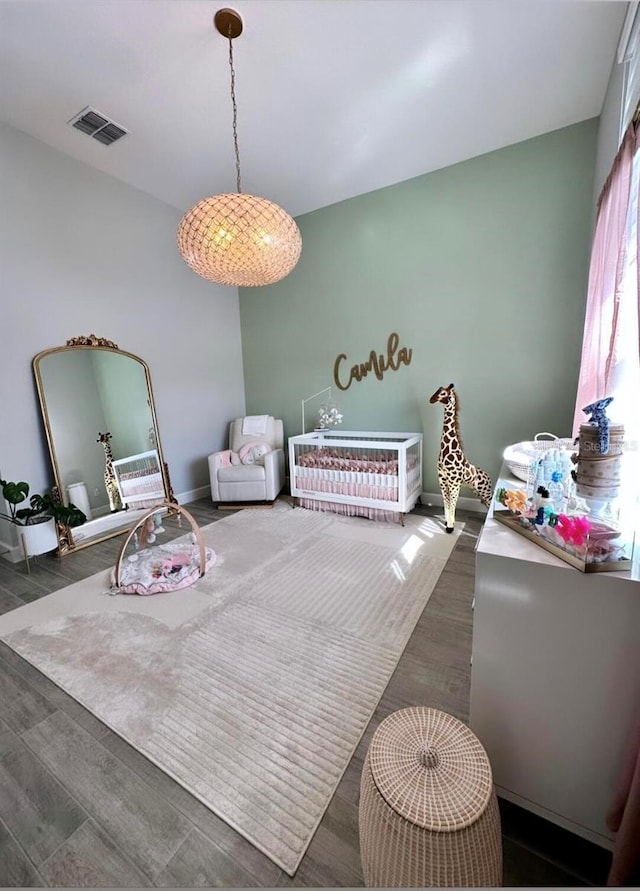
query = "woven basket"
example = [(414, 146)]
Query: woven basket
[(520, 456), (428, 811)]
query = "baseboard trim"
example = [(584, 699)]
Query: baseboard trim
[(193, 494), (431, 499), (12, 553)]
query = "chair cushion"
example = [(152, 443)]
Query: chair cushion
[(241, 474)]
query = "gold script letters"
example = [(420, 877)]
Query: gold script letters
[(376, 363)]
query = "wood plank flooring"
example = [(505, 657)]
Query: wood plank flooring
[(79, 807)]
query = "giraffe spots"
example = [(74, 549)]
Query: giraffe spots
[(454, 470)]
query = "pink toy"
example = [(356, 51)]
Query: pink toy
[(253, 452), (581, 527), (175, 563), (602, 548), (573, 530), (147, 533), (229, 458)]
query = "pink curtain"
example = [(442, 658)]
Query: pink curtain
[(608, 253), (601, 351)]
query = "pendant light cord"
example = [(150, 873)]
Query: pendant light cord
[(235, 114)]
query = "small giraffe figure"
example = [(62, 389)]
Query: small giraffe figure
[(115, 502), (454, 470)]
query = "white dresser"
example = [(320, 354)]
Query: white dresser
[(555, 678)]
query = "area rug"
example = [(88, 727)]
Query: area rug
[(253, 688)]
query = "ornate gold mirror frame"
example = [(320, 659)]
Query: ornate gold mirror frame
[(101, 426)]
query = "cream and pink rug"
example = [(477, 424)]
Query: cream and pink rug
[(253, 688)]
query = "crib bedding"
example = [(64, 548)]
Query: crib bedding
[(350, 509), (337, 459), (380, 479)]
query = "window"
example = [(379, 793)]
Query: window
[(629, 56), (625, 365)]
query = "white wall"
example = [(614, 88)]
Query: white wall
[(81, 253)]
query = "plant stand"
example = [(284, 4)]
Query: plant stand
[(36, 539), (26, 555)]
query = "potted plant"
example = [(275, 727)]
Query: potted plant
[(37, 522)]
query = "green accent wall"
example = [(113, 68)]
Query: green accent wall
[(481, 268)]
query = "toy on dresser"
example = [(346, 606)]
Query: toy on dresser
[(598, 417), (599, 457), (554, 473), (573, 513)]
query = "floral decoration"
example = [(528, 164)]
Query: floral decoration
[(514, 499), (572, 530)]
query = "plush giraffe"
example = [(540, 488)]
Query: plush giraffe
[(454, 470), (115, 502)]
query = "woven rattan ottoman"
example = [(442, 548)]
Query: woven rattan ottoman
[(428, 810)]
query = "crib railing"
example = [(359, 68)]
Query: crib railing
[(371, 469)]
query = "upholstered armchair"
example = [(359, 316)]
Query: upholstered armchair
[(252, 468)]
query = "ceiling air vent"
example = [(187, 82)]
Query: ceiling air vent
[(98, 126)]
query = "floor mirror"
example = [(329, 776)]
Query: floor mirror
[(102, 431)]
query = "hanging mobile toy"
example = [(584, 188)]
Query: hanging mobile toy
[(136, 546)]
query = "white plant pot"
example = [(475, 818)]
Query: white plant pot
[(39, 538)]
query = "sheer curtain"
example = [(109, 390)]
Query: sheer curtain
[(622, 371), (610, 366), (607, 368)]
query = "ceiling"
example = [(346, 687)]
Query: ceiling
[(335, 97)]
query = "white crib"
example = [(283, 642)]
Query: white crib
[(363, 473)]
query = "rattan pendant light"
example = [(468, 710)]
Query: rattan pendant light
[(238, 239)]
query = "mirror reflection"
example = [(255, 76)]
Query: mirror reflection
[(101, 427)]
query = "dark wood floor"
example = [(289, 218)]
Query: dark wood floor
[(81, 808)]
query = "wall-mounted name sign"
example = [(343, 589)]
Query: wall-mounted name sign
[(376, 362)]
